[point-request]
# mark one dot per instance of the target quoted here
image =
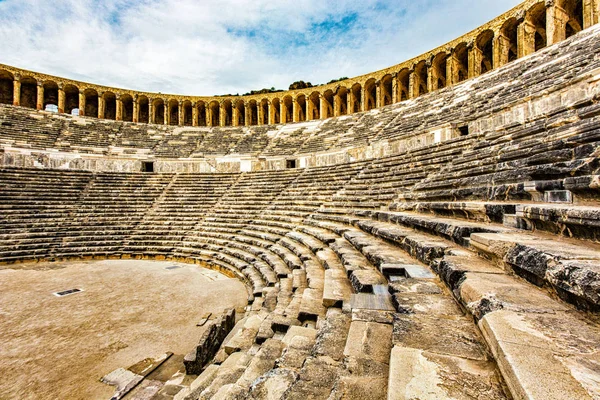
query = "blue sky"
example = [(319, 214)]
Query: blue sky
[(209, 47)]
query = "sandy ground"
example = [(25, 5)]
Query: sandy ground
[(59, 347)]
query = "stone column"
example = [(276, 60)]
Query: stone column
[(101, 105), (591, 10), (501, 50), (295, 110), (40, 96), (475, 58), (309, 109), (323, 107), (431, 78), (556, 23), (81, 104), (271, 112), (136, 110), (259, 113), (208, 116), (222, 115), (337, 105), (167, 119), (151, 111), (451, 69), (194, 114), (525, 38), (394, 88), (378, 95), (413, 85), (181, 115), (235, 116), (363, 99), (350, 102), (282, 112), (17, 91), (248, 114), (119, 110), (61, 99)]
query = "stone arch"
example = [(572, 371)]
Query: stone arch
[(173, 112), (202, 120), (356, 98), (158, 107), (439, 71), (50, 95), (386, 88), (370, 95), (508, 41), (574, 12), (252, 113), (301, 107), (186, 108), (327, 104), (287, 114), (28, 92), (91, 103), (240, 106), (213, 114), (276, 108), (460, 63), (227, 109), (483, 52), (110, 105), (143, 109), (314, 106), (341, 106), (6, 87), (420, 79), (71, 99), (264, 112), (126, 107), (403, 79), (536, 17)]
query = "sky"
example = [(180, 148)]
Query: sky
[(213, 47)]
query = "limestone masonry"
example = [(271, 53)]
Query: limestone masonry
[(429, 231)]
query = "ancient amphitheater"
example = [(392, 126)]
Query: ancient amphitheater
[(428, 231)]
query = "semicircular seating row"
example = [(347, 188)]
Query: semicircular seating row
[(451, 265)]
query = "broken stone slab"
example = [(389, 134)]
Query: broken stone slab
[(419, 374), (414, 286), (262, 362), (331, 338), (545, 356), (294, 331), (274, 384), (430, 304), (363, 280), (336, 289)]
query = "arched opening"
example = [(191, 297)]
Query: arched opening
[(143, 109), (342, 103), (241, 113), (302, 104), (214, 110), (126, 108), (327, 105), (461, 63), (91, 103), (275, 107), (202, 121), (288, 110), (6, 87), (370, 94), (159, 111), (314, 106), (71, 99), (438, 71), (574, 9), (187, 113), (50, 96), (509, 41), (110, 106), (536, 16), (420, 79), (386, 89), (356, 101), (264, 112), (228, 110), (28, 92), (173, 112), (484, 44), (253, 112), (403, 84)]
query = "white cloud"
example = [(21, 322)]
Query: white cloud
[(211, 47)]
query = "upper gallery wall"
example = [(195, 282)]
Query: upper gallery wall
[(525, 29)]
